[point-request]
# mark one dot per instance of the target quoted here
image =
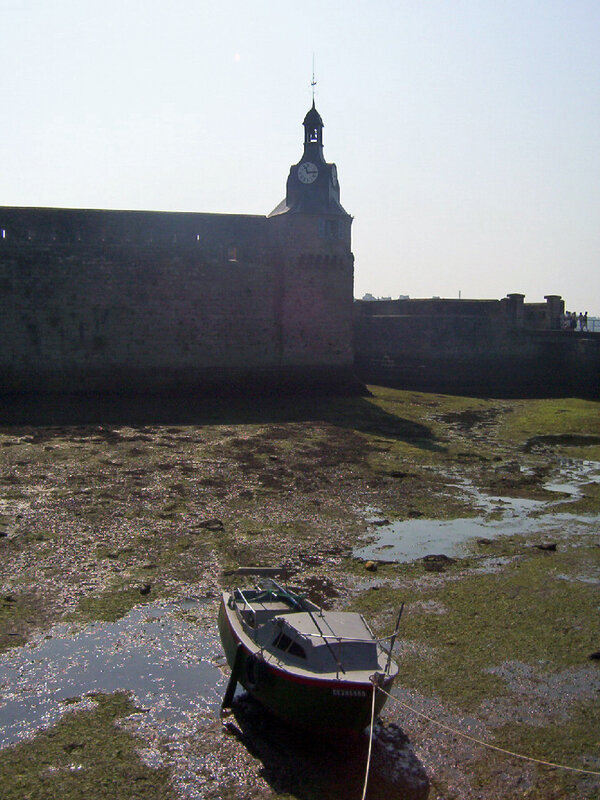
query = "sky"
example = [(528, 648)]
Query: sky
[(466, 133)]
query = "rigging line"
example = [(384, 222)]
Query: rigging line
[(486, 744), (375, 687)]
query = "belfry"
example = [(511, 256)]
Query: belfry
[(312, 185)]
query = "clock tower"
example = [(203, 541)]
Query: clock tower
[(309, 234), (312, 185)]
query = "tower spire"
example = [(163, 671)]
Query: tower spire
[(313, 82)]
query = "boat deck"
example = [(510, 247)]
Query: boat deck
[(261, 612)]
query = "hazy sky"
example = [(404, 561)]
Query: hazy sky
[(466, 132)]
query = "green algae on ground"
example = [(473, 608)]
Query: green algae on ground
[(18, 613), (110, 605), (587, 503), (563, 416), (528, 612), (571, 742), (85, 755), (540, 610)]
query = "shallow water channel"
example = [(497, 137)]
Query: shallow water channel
[(408, 540), (166, 660)]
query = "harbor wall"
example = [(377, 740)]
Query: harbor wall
[(489, 347)]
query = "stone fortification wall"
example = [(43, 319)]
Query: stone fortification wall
[(149, 301), (511, 311), (490, 347)]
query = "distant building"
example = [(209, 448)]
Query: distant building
[(370, 298)]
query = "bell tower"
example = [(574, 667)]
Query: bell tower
[(309, 236), (312, 185), (313, 135)]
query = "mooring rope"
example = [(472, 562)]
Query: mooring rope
[(479, 741), (375, 687)]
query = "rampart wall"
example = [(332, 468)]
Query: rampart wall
[(114, 301), (498, 347), (153, 301)]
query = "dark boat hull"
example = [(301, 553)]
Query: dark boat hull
[(311, 702)]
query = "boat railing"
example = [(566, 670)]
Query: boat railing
[(338, 638), (339, 641), (245, 599), (247, 607), (326, 637)]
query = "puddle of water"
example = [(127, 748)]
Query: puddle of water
[(409, 540), (579, 472), (153, 652), (592, 579)]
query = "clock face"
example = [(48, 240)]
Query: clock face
[(307, 172)]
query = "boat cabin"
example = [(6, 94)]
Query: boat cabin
[(328, 642)]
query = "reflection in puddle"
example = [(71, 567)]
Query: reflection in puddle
[(408, 540), (153, 652)]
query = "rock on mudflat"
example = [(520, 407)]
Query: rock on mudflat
[(397, 771), (211, 525), (436, 562)]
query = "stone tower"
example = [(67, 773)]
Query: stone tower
[(311, 232)]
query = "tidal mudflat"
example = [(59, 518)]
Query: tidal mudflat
[(118, 523)]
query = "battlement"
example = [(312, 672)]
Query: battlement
[(224, 236), (510, 312), (108, 300)]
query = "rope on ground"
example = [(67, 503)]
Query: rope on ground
[(486, 744), (375, 687)]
